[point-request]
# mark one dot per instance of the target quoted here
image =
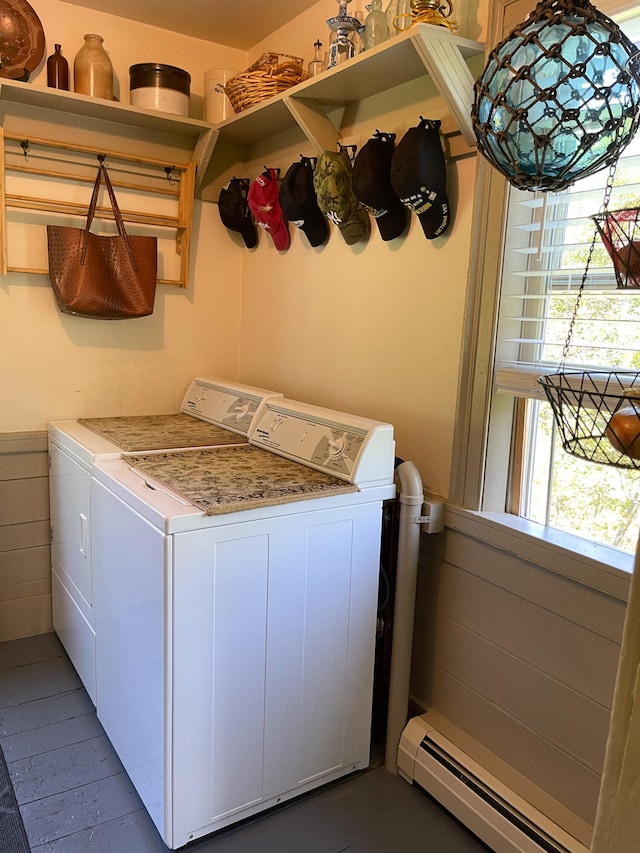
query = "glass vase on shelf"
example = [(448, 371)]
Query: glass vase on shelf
[(343, 27), (92, 69), (402, 17), (375, 26), (357, 36), (316, 66), (57, 70)]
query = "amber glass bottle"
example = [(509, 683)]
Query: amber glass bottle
[(57, 70)]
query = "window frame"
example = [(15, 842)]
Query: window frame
[(478, 492)]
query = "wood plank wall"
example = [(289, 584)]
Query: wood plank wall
[(517, 665), (25, 565)]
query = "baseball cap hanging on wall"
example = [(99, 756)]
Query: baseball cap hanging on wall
[(372, 185), (233, 208), (419, 177), (265, 206), (336, 199), (299, 203)]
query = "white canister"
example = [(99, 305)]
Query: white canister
[(217, 106), (155, 86)]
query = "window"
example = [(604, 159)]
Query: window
[(545, 247)]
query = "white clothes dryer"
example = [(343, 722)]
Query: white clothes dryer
[(236, 613)]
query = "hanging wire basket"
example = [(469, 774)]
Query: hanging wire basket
[(620, 234), (597, 415)]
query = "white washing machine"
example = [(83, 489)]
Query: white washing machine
[(236, 613), (213, 412)]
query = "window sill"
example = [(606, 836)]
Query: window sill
[(595, 566)]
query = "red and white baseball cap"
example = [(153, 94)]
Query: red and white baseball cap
[(265, 206)]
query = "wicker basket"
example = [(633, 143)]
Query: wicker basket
[(271, 74)]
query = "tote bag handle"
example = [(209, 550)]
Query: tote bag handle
[(117, 215)]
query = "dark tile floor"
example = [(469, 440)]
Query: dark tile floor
[(75, 796)]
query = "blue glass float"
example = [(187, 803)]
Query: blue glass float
[(559, 98)]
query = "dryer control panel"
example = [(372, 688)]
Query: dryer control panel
[(355, 449), (226, 404)]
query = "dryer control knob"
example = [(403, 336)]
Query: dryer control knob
[(336, 447), (242, 411)]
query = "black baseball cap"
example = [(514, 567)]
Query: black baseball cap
[(419, 177), (371, 181), (234, 210), (299, 203)]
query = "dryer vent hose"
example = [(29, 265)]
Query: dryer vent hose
[(411, 499)]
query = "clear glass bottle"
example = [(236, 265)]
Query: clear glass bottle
[(375, 26), (390, 12), (402, 18), (316, 66), (57, 70), (357, 36), (92, 69)]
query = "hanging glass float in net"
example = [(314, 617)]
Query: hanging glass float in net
[(559, 98)]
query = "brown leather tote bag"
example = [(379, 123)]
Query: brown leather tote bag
[(108, 277)]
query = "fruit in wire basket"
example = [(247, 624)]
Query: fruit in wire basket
[(627, 261), (623, 429)]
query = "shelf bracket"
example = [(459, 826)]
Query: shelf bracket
[(314, 123), (448, 69), (202, 154)]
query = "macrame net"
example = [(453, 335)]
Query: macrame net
[(559, 98)]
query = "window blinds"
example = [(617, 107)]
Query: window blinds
[(546, 245)]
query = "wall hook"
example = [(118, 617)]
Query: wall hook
[(349, 150), (169, 170), (101, 158), (25, 147)]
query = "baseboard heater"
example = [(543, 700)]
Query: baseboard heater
[(490, 810)]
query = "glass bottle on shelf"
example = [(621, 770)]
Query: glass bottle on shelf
[(92, 69), (375, 26), (357, 36), (57, 70), (390, 12), (402, 17), (316, 66)]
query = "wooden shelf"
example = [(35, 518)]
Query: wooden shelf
[(26, 108), (424, 50)]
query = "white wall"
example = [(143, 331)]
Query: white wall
[(56, 366), (376, 327), (129, 42)]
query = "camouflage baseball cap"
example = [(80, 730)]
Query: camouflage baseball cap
[(336, 199)]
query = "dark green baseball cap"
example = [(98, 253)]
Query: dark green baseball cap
[(332, 180)]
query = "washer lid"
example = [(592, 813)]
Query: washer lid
[(135, 433), (230, 479)]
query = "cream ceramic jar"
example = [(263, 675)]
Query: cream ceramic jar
[(155, 86)]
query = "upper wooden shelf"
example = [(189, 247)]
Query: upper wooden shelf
[(422, 50), (30, 109)]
